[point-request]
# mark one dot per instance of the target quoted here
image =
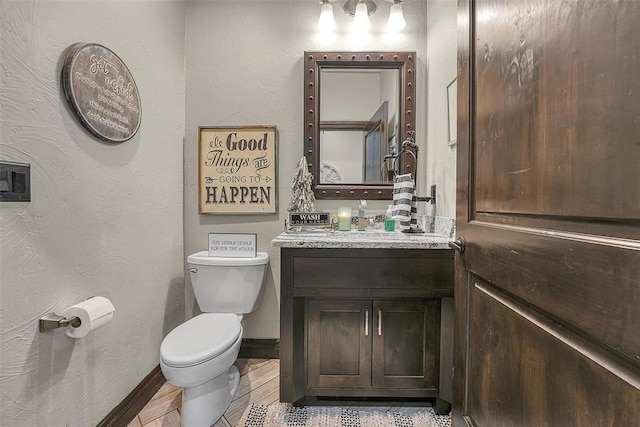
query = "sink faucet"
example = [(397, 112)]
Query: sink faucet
[(361, 219)]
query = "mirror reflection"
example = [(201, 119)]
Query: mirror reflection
[(359, 114), (359, 109)]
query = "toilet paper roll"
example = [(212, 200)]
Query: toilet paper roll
[(93, 313)]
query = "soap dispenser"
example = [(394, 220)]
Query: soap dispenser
[(389, 222), (361, 219)]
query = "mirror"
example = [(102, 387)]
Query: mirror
[(359, 109)]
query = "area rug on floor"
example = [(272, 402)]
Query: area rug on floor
[(330, 416)]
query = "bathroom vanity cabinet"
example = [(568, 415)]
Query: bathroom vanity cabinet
[(372, 345), (364, 322)]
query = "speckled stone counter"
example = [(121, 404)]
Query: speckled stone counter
[(374, 239)]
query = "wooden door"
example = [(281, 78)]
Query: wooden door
[(339, 343), (375, 147), (547, 292), (406, 344)]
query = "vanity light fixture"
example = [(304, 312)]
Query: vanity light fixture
[(360, 10), (327, 22), (351, 7), (360, 22), (396, 18)]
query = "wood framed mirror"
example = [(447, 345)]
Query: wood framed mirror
[(359, 108)]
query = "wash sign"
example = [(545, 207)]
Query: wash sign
[(232, 245), (237, 170)]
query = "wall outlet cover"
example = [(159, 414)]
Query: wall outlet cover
[(15, 182)]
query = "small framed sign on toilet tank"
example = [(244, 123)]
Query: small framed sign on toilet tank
[(233, 245)]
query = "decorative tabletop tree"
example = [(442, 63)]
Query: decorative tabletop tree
[(302, 198)]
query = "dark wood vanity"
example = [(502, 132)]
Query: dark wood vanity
[(363, 322)]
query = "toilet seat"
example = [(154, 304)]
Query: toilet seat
[(200, 339)]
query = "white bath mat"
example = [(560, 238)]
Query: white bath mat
[(330, 416)]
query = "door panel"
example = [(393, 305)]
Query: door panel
[(547, 291), (532, 364), (556, 102), (566, 275), (338, 343), (406, 344), (375, 146)]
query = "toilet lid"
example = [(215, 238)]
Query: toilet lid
[(200, 339), (203, 258)]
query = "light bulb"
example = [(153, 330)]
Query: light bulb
[(326, 22), (396, 18), (361, 19)]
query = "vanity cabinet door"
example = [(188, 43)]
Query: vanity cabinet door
[(339, 343), (406, 344)]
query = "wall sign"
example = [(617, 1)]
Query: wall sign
[(101, 92), (230, 245), (237, 170), (310, 219)]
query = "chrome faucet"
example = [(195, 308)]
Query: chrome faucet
[(408, 147)]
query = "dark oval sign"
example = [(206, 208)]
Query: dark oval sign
[(101, 92)]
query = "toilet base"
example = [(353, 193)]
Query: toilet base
[(204, 405)]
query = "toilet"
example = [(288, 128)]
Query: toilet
[(199, 354)]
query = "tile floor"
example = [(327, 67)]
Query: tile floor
[(259, 383)]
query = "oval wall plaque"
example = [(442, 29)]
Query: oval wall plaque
[(101, 92)]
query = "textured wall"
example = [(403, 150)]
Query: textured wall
[(441, 64), (244, 67), (105, 219)]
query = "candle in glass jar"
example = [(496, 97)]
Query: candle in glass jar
[(344, 219)]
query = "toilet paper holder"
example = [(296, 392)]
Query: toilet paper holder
[(53, 321)]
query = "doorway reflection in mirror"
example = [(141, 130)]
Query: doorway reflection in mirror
[(358, 124)]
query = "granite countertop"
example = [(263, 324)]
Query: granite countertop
[(373, 239)]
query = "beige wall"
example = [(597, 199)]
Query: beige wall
[(441, 69), (246, 69), (117, 219), (105, 219)]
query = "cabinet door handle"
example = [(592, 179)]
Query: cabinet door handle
[(366, 322), (379, 322)]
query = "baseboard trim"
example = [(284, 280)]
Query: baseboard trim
[(127, 410), (252, 348)]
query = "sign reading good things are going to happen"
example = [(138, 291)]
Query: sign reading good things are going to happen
[(237, 170), (101, 92)]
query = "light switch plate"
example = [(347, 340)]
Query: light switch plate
[(15, 182)]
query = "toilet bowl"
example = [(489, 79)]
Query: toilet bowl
[(198, 355)]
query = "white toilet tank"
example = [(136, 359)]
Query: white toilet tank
[(227, 285)]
